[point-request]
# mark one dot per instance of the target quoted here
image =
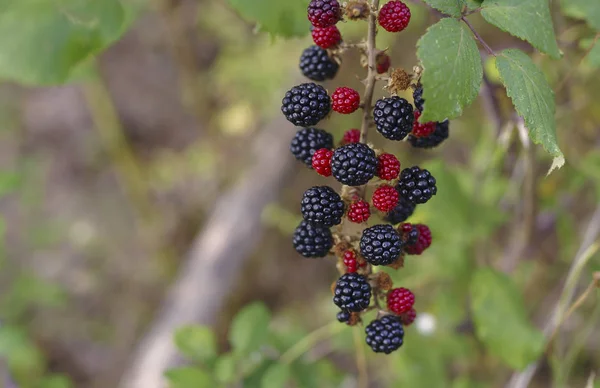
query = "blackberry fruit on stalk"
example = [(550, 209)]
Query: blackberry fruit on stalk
[(361, 169)]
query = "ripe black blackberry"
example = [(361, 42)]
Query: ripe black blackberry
[(307, 141), (385, 335), (416, 185), (306, 104), (418, 98), (316, 64), (343, 316), (311, 240), (321, 205), (401, 212), (352, 292), (354, 164), (436, 138), (381, 244), (393, 117)]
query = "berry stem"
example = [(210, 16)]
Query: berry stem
[(372, 71)]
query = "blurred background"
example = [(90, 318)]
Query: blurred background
[(156, 189)]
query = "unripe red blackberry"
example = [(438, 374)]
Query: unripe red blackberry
[(351, 136), (350, 261), (422, 129), (394, 16), (321, 161), (324, 13), (388, 167), (400, 300), (383, 62), (352, 292), (385, 335), (359, 211), (385, 198), (345, 100), (408, 317), (423, 241), (307, 141), (326, 37)]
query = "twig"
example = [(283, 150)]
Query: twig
[(372, 72), (310, 340), (361, 359), (478, 37)]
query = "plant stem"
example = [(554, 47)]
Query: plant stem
[(372, 71), (308, 342), (478, 37)]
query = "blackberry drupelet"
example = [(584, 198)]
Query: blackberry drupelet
[(418, 98), (316, 64), (352, 292), (416, 185), (307, 141), (385, 335), (354, 164), (343, 316), (442, 130), (381, 244), (401, 212), (393, 117), (306, 104), (312, 241), (321, 205)]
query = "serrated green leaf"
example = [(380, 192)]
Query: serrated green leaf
[(533, 98), (587, 10), (279, 18), (249, 328), (452, 69), (529, 20), (276, 376), (449, 7), (501, 321), (196, 342), (42, 41), (188, 377)]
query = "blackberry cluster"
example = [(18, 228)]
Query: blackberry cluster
[(316, 64), (352, 292), (354, 164), (385, 335), (321, 205), (311, 240), (416, 185), (306, 104), (393, 117), (381, 244), (307, 141)]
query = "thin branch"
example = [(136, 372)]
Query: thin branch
[(372, 72), (478, 37)]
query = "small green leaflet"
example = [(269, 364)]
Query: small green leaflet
[(452, 69), (285, 18), (42, 41), (529, 20), (588, 10), (533, 99)]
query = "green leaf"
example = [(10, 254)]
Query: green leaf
[(57, 36), (249, 328), (449, 7), (188, 377), (279, 18), (276, 376), (533, 99), (55, 381), (593, 58), (587, 10), (529, 20), (196, 342), (225, 369), (452, 69), (501, 321)]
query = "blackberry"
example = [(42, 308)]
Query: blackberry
[(306, 104), (343, 316), (418, 98), (324, 13), (326, 37), (400, 300), (316, 64), (385, 335), (354, 164), (401, 212), (321, 205), (393, 117), (394, 16), (381, 244), (321, 162), (312, 241), (436, 138), (423, 241), (307, 141), (352, 292), (416, 185), (409, 234)]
